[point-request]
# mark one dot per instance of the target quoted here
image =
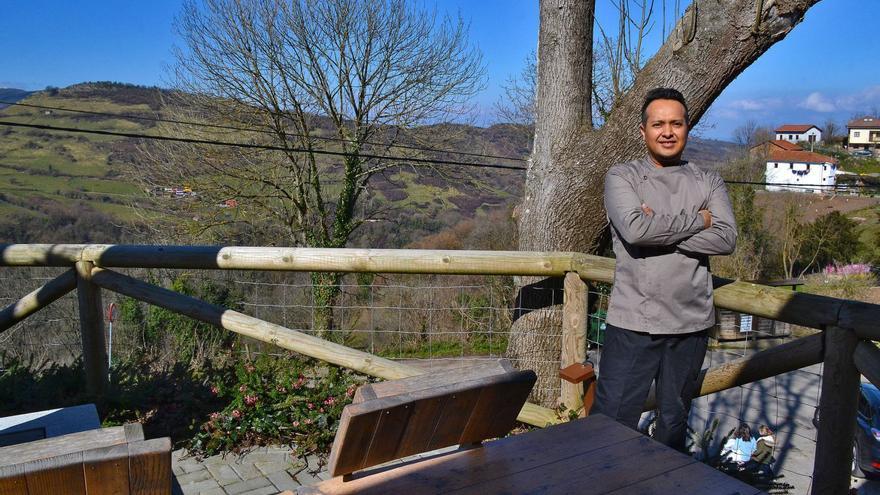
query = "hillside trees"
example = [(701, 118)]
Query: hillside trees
[(293, 72), (562, 208)]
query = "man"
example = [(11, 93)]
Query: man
[(667, 216)]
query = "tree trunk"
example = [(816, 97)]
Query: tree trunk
[(563, 206)]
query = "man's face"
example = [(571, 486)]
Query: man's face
[(665, 131)]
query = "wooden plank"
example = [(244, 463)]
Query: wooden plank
[(693, 479), (389, 430), (837, 408), (37, 299), (598, 472), (453, 418), (416, 436), (867, 359), (65, 444), (150, 467), (106, 470), (574, 337), (91, 322), (59, 474), (430, 380), (494, 414), (133, 432), (353, 438), (13, 485), (496, 459)]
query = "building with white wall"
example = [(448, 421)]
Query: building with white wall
[(798, 170), (797, 133), (864, 133)]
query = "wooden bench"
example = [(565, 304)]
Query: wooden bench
[(595, 455), (105, 460)]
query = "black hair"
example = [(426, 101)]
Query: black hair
[(664, 94)]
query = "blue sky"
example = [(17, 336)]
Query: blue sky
[(827, 68)]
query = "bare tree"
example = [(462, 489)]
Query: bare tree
[(744, 135), (831, 131), (562, 208), (517, 105), (294, 73)]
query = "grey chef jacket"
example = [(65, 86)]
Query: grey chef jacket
[(662, 283)]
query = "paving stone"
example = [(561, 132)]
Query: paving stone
[(283, 481), (268, 457), (199, 487), (271, 467), (304, 478), (223, 473), (194, 477), (268, 490), (214, 491), (190, 465), (246, 486), (177, 470), (245, 470)]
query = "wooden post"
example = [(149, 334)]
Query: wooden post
[(574, 337), (837, 413), (91, 324)]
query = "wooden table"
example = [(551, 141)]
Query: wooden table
[(589, 456)]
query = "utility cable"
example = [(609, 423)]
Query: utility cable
[(259, 131)]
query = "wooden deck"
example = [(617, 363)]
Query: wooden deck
[(590, 456)]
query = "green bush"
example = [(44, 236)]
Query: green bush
[(276, 400)]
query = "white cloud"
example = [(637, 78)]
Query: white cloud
[(860, 102), (755, 105), (818, 103)]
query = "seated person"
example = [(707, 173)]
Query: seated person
[(762, 457), (740, 446)]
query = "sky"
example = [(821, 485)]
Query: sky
[(825, 69)]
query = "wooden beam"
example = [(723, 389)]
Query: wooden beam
[(769, 302), (867, 359), (91, 322), (37, 299), (837, 410), (277, 335), (574, 337), (794, 355)]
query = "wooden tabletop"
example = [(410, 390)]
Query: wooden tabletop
[(589, 456)]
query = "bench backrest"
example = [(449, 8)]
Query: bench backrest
[(399, 418)]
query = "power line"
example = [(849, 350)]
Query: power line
[(260, 131), (258, 146), (368, 156)]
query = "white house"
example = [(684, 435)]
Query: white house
[(795, 133), (864, 133), (798, 170)]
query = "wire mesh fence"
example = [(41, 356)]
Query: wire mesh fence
[(429, 320)]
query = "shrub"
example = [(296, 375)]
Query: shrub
[(272, 400)]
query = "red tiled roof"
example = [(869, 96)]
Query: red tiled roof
[(866, 122), (786, 145), (799, 128), (797, 156)]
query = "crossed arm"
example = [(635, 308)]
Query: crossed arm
[(711, 231)]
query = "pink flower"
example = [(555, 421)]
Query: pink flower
[(296, 424), (236, 413), (250, 399), (215, 416), (310, 405), (330, 401), (242, 388), (215, 390), (350, 391), (249, 368), (308, 421), (321, 410)]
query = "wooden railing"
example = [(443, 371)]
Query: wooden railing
[(844, 345)]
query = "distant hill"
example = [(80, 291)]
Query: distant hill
[(43, 172), (12, 95)]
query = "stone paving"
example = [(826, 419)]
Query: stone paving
[(263, 471)]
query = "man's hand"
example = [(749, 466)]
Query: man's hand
[(647, 209), (707, 218)]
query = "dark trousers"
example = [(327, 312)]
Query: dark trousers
[(631, 361)]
